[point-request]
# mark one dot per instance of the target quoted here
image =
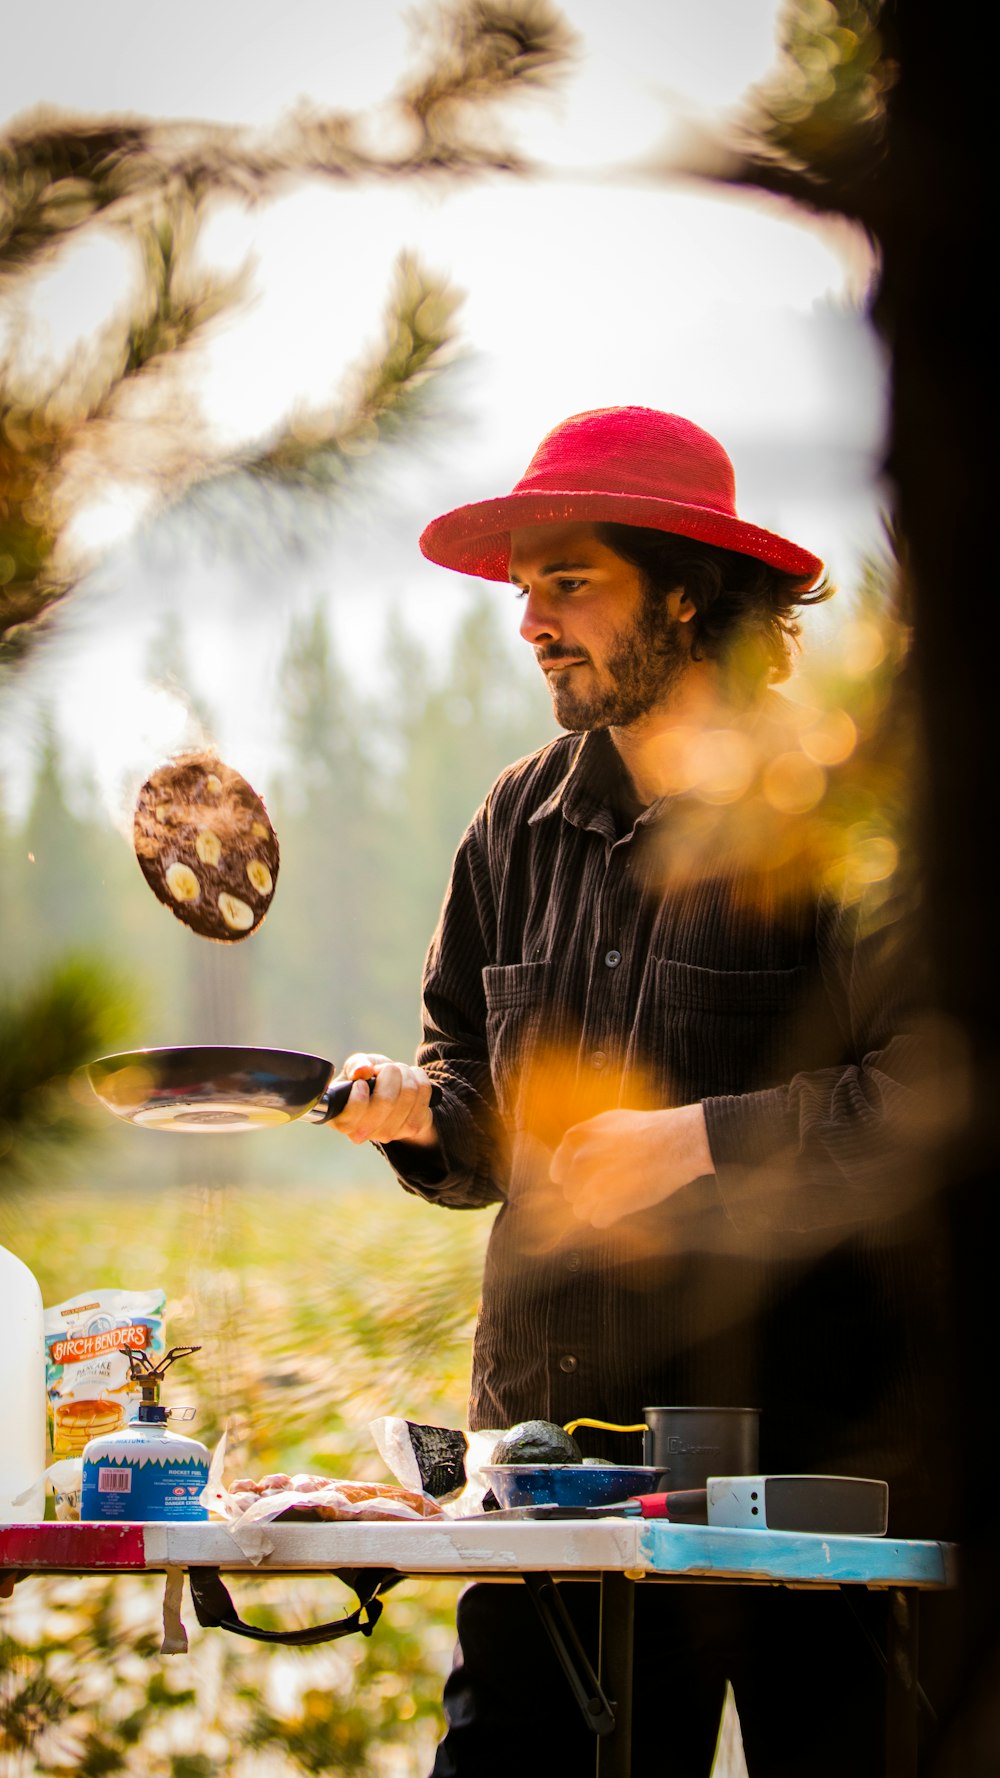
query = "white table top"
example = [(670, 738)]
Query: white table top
[(636, 1547)]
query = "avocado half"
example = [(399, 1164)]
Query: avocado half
[(536, 1441)]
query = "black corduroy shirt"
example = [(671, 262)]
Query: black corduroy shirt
[(574, 970)]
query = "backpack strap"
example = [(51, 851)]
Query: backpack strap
[(215, 1609)]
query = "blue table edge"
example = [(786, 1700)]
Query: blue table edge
[(797, 1556)]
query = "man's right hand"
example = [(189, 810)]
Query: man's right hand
[(398, 1110)]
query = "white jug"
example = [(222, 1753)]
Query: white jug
[(22, 1393)]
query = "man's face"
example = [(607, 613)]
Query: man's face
[(611, 648)]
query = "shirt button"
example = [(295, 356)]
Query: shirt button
[(567, 1362), (598, 1059), (612, 959), (573, 1262)]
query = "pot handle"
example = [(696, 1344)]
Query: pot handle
[(604, 1426), (331, 1103)]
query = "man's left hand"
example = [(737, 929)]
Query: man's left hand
[(623, 1161)]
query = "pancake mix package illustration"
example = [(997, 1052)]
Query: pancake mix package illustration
[(88, 1338)]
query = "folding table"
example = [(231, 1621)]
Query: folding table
[(622, 1553)]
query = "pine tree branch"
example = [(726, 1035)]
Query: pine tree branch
[(316, 449), (814, 131), (60, 175), (479, 51)]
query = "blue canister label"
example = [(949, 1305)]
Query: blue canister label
[(115, 1487)]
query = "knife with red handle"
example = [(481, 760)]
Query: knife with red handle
[(690, 1504), (681, 1505)]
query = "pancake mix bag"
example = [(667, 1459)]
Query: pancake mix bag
[(87, 1342)]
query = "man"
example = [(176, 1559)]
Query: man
[(686, 1075)]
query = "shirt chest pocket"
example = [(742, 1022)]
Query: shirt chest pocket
[(702, 1032), (518, 1021)]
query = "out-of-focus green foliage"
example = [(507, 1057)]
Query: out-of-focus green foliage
[(830, 86), (69, 1014), (863, 738), (814, 129), (370, 799), (311, 1325), (154, 182)]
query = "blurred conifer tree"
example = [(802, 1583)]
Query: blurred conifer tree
[(154, 182), (124, 413)]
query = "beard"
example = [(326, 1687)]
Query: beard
[(648, 659)]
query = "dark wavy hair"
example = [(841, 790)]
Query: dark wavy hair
[(745, 610)]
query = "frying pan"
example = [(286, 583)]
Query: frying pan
[(211, 1089)]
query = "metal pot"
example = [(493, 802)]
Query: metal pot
[(693, 1443), (212, 1089), (690, 1444)]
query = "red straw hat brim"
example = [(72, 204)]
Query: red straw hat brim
[(476, 539)]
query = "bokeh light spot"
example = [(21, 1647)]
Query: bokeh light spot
[(831, 740), (862, 647), (676, 759), (793, 784), (874, 860), (722, 761)]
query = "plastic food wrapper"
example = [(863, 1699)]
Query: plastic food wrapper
[(64, 1480), (250, 1505), (445, 1461), (88, 1339)]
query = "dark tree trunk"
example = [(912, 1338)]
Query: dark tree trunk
[(936, 308)]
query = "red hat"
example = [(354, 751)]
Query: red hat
[(618, 465)]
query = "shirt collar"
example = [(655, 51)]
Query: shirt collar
[(583, 796)]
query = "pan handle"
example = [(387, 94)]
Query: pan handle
[(332, 1102)]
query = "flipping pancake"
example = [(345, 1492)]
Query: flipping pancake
[(206, 846)]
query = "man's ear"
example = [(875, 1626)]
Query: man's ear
[(684, 606)]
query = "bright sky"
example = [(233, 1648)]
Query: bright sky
[(581, 290)]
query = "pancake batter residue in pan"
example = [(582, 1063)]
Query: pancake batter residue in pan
[(206, 846)]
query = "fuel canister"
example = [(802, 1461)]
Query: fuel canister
[(146, 1471)]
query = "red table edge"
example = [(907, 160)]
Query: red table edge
[(70, 1544)]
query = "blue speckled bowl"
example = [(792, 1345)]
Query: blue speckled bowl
[(571, 1484)]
